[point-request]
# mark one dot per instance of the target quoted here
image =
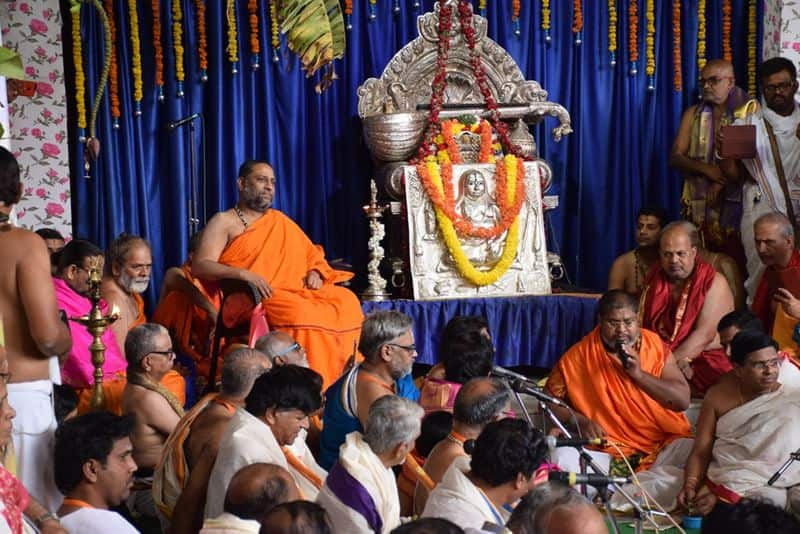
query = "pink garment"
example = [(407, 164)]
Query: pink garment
[(14, 500), (438, 394), (77, 371)]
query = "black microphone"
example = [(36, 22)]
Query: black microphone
[(591, 479), (622, 355), (552, 442), (502, 372), (180, 122), (526, 387)]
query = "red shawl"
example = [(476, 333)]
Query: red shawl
[(771, 280)]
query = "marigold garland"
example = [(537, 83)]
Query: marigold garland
[(447, 147), (515, 10), (80, 76), (633, 35), (577, 21), (113, 86), (158, 50), (677, 78), (273, 21), (202, 40), (177, 44), (612, 31), (751, 47), (482, 7), (727, 53), (650, 45), (701, 34), (430, 172), (348, 14), (233, 37), (136, 57), (255, 45), (373, 9), (546, 20)]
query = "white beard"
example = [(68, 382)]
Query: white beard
[(134, 285)]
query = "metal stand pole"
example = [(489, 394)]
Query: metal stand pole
[(194, 212)]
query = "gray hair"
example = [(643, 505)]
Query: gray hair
[(532, 514), (269, 344), (479, 401), (776, 217), (380, 328), (141, 341), (240, 368), (391, 421), (686, 226)]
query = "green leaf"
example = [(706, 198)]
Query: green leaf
[(11, 64), (314, 31)]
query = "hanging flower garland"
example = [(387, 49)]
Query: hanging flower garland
[(233, 37), (273, 21), (677, 79), (482, 8), (612, 31), (158, 50), (396, 7), (509, 175), (515, 11), (177, 44), (202, 40), (136, 58), (727, 53), (633, 36), (577, 21), (751, 48), (546, 20), (701, 34), (373, 9), (255, 45), (113, 86), (348, 14), (447, 150), (80, 76), (650, 44)]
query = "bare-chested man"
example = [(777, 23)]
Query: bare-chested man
[(128, 267), (148, 349), (746, 429), (479, 402), (629, 270), (192, 447), (33, 333), (683, 302), (258, 244)]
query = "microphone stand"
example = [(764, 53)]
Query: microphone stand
[(193, 208), (792, 457)]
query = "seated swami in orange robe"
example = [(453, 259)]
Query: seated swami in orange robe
[(596, 386)]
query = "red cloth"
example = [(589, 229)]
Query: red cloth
[(770, 281), (675, 321), (15, 500)]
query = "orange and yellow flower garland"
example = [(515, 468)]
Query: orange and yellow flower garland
[(177, 38), (677, 77), (255, 45), (577, 21), (633, 35), (80, 75), (273, 21), (136, 58), (546, 20), (650, 45), (202, 42), (515, 10), (348, 14), (751, 47), (612, 31), (727, 53), (482, 7), (233, 37), (701, 34), (447, 148), (113, 86), (158, 50)]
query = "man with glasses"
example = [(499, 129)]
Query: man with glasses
[(746, 430), (156, 411), (282, 349), (708, 200), (387, 343), (771, 179)]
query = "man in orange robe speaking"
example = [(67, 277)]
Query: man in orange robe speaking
[(262, 246), (635, 401)]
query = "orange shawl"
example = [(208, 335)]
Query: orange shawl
[(141, 318), (327, 321), (597, 386)]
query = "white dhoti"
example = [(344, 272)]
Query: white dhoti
[(33, 435)]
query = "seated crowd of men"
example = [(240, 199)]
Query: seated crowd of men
[(320, 426)]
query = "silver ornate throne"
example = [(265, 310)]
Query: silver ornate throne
[(394, 112)]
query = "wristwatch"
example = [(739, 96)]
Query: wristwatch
[(45, 517)]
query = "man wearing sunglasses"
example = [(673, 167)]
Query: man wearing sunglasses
[(282, 349)]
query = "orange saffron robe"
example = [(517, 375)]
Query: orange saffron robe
[(596, 385), (326, 321)]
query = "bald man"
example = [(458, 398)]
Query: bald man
[(297, 516), (253, 491), (282, 349), (553, 508), (683, 302), (708, 201)]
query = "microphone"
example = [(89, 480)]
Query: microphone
[(171, 126), (552, 442), (525, 387), (502, 372), (591, 479), (622, 355)]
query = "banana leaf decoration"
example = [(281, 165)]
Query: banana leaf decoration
[(314, 31)]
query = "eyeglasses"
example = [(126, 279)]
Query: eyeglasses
[(287, 350), (711, 80), (762, 365), (775, 87), (408, 348), (170, 353)]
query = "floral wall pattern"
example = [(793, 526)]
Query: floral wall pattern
[(771, 44), (38, 133)]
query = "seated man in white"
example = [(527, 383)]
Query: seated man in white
[(94, 468), (504, 461), (276, 411), (360, 493), (254, 490)]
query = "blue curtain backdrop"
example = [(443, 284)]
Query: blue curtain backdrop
[(615, 161)]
